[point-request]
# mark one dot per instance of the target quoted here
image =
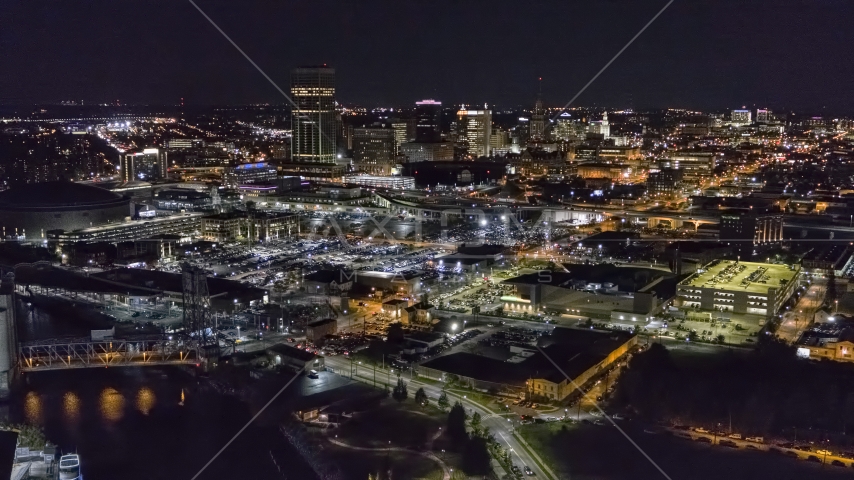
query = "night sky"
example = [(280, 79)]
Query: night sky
[(701, 54)]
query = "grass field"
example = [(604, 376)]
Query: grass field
[(402, 464), (402, 424), (588, 452)]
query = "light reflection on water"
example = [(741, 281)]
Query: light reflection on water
[(33, 408), (71, 406), (112, 404), (145, 400)]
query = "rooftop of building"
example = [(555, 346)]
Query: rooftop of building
[(145, 221), (396, 302), (172, 282), (462, 259), (423, 336), (322, 322), (750, 277), (56, 194), (393, 276), (329, 276), (483, 249), (574, 350), (625, 278), (840, 330)]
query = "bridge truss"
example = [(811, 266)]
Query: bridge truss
[(37, 356)]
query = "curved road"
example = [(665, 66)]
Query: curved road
[(499, 426)]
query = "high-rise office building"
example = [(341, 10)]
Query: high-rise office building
[(313, 117), (695, 166), (600, 127), (476, 131), (664, 183), (428, 117), (740, 117), (148, 165), (763, 115), (568, 129), (373, 150), (538, 122), (404, 132)]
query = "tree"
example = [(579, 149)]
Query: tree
[(475, 420), (28, 436), (443, 401), (831, 287), (721, 338), (476, 460), (457, 424), (421, 397), (400, 392)]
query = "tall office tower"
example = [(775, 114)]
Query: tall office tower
[(313, 117), (600, 127), (476, 126), (538, 120), (740, 117), (373, 150), (404, 132), (149, 164), (763, 115), (428, 118), (569, 130)]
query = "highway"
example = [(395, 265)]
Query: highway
[(498, 425)]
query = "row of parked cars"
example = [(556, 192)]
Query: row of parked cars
[(463, 336)]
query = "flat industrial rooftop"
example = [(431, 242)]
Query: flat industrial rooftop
[(742, 276)]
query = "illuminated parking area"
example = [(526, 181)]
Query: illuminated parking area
[(739, 287)]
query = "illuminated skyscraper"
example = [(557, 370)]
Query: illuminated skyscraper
[(600, 127), (476, 131), (404, 132), (538, 119), (374, 150), (313, 117), (428, 115), (146, 165)]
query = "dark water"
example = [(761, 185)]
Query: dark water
[(154, 422)]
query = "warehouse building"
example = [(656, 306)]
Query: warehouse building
[(529, 372)]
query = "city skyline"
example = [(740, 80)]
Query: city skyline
[(698, 55)]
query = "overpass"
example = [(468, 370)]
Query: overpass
[(67, 354), (582, 214)]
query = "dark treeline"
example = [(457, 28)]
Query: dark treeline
[(769, 392)]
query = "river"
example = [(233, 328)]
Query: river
[(153, 422)]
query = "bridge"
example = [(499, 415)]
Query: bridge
[(65, 354)]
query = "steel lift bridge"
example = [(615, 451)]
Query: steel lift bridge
[(197, 341)]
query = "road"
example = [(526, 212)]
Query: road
[(498, 425), (795, 321)]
